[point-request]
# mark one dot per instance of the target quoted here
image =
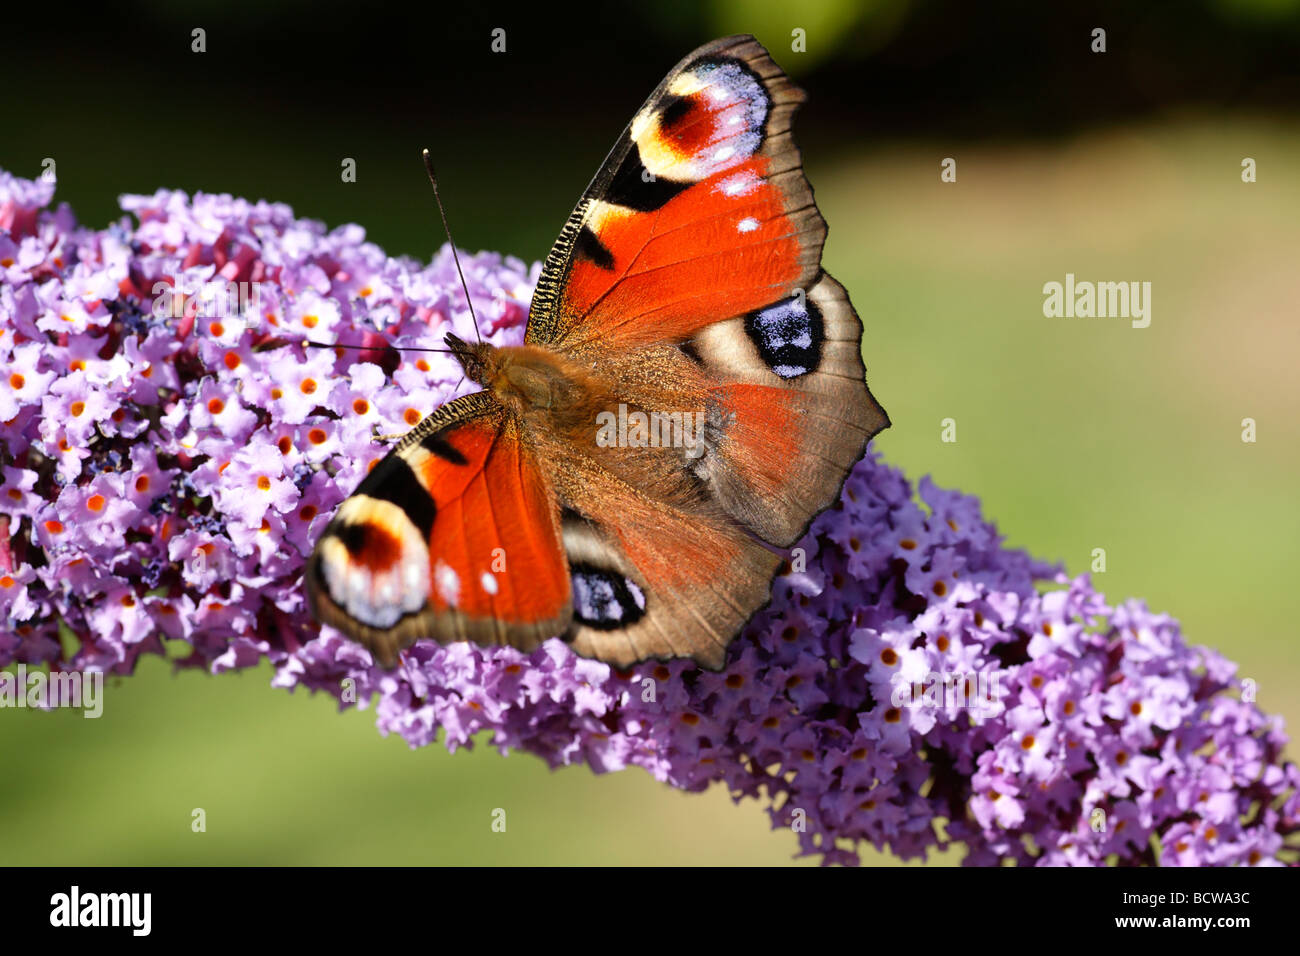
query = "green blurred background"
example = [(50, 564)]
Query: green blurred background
[(1077, 433)]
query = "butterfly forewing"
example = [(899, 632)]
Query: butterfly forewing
[(453, 536)]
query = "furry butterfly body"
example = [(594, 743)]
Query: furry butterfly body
[(685, 287)]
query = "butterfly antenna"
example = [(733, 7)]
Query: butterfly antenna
[(372, 348), (433, 181)]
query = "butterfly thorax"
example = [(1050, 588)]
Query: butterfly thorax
[(535, 384)]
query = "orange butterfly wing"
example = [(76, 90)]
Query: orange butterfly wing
[(454, 536), (700, 231), (700, 213)]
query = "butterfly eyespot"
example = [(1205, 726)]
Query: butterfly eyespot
[(604, 599), (788, 336)]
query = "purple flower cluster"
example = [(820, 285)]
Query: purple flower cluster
[(169, 450)]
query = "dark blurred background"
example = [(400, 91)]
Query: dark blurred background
[(289, 87), (1075, 434)]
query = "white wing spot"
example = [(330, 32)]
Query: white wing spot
[(448, 583), (740, 184), (489, 582), (748, 224)]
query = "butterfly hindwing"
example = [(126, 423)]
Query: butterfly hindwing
[(795, 412), (454, 535), (636, 595)]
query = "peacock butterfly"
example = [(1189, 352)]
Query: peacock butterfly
[(690, 394)]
